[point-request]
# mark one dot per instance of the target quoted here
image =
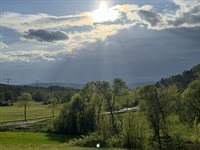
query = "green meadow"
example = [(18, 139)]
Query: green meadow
[(35, 110), (36, 141)]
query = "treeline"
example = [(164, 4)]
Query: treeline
[(181, 80), (167, 116), (10, 93)]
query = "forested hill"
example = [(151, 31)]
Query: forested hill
[(181, 80)]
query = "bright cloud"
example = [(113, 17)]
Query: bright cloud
[(56, 29), (34, 55)]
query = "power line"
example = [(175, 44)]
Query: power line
[(37, 83), (8, 80)]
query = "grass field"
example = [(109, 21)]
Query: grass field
[(15, 113), (35, 141)]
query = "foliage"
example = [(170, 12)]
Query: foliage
[(89, 141), (76, 118), (53, 104), (40, 96), (9, 93), (118, 90), (94, 114), (170, 99), (135, 130), (155, 114), (181, 80), (24, 101), (191, 101)]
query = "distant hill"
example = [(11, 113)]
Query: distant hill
[(138, 84), (79, 86), (46, 85), (181, 80)]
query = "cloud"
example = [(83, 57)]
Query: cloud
[(3, 45), (25, 22), (83, 30), (45, 36), (187, 15), (34, 55), (149, 17)]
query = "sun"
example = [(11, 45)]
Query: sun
[(103, 5), (104, 13)]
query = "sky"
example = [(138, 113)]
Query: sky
[(76, 41)]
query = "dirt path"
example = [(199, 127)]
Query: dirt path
[(22, 123)]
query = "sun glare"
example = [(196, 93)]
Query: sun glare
[(103, 5), (104, 13)]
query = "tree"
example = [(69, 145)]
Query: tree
[(170, 100), (53, 104), (24, 101), (118, 89), (101, 93), (155, 114), (76, 117), (191, 101), (135, 130), (88, 91), (40, 96)]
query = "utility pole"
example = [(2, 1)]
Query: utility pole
[(8, 80), (37, 83)]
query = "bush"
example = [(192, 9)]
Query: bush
[(105, 127), (114, 141), (196, 135), (5, 103), (89, 141), (181, 134), (135, 130)]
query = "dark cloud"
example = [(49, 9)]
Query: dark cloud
[(150, 17), (45, 36), (187, 14)]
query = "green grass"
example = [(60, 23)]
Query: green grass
[(15, 113), (35, 141), (46, 147), (31, 138)]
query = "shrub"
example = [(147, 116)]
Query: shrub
[(89, 141), (135, 130)]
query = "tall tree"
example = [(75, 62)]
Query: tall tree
[(102, 89), (154, 111), (118, 89), (24, 101), (53, 104)]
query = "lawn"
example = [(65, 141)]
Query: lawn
[(35, 141), (15, 113)]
